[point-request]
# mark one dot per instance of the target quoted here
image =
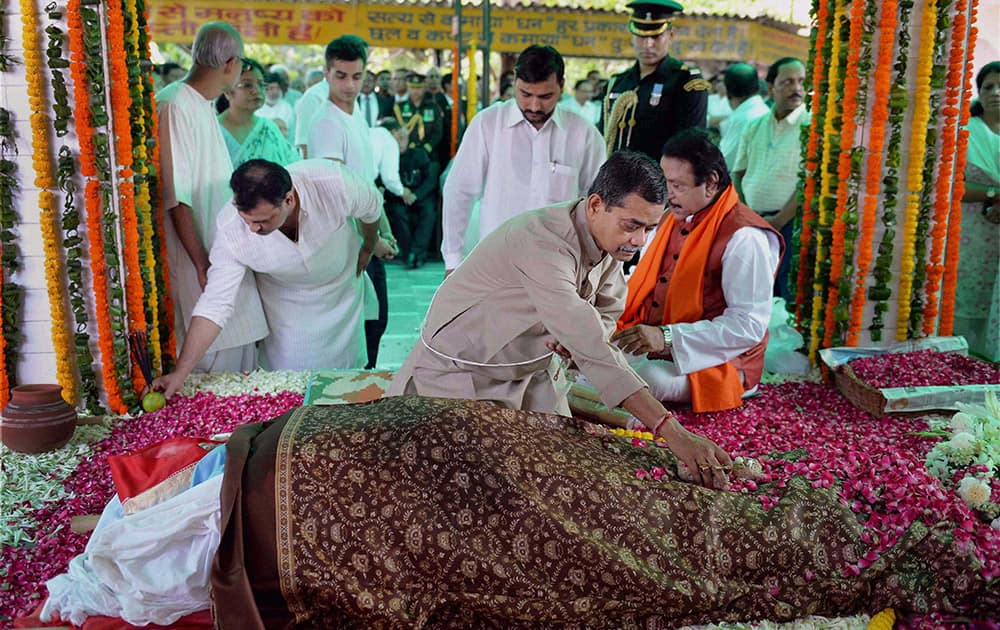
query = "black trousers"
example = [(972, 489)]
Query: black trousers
[(413, 226), (375, 328)]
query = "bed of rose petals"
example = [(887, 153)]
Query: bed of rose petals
[(924, 368), (25, 568), (877, 465)]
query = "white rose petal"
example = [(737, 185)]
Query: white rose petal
[(963, 442)]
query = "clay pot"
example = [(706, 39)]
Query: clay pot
[(36, 419)]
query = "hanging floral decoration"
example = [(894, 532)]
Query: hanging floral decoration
[(955, 218), (10, 253), (803, 264), (845, 213), (42, 160), (915, 173), (854, 152), (879, 117)]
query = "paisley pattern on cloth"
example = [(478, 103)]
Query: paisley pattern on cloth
[(418, 512)]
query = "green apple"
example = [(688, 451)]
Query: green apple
[(153, 401)]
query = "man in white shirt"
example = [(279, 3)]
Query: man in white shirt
[(276, 107), (582, 102), (769, 161), (519, 155), (290, 225), (194, 172), (699, 301), (743, 88)]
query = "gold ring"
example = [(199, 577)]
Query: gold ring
[(703, 466)]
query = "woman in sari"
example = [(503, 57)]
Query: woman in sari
[(977, 298), (247, 135)]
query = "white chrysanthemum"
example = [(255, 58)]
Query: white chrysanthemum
[(973, 491), (963, 443), (996, 523), (962, 421)]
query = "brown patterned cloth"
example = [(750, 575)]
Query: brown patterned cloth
[(432, 513)]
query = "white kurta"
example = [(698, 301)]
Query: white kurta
[(194, 170), (335, 134), (513, 167), (305, 109), (313, 300)]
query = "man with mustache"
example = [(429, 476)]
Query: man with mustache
[(518, 155), (659, 95), (769, 160), (292, 228), (699, 301), (545, 285)]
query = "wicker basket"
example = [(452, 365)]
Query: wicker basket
[(860, 393)]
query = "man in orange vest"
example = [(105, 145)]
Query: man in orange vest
[(699, 300)]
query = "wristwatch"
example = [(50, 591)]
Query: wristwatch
[(668, 338)]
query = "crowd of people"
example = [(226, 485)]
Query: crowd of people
[(286, 204)]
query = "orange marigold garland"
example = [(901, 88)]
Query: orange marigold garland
[(820, 50), (121, 103), (876, 144), (92, 204), (943, 188), (955, 217), (841, 220)]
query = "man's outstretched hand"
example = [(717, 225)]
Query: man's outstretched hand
[(168, 384)]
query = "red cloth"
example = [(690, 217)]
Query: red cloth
[(201, 620), (143, 469)]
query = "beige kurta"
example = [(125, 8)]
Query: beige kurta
[(539, 277)]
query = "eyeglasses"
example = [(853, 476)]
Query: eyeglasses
[(249, 87)]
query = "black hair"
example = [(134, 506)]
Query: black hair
[(222, 103), (695, 146), (259, 180), (775, 68), (381, 72), (581, 82), (537, 63), (274, 77), (741, 80), (992, 67), (628, 172), (347, 48), (169, 67)]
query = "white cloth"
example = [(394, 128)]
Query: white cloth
[(771, 154), (385, 155), (511, 167), (371, 115), (335, 134), (749, 263), (718, 107), (306, 107), (731, 129), (312, 297), (589, 111), (282, 110), (194, 170), (149, 567)]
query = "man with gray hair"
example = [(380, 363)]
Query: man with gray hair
[(195, 169)]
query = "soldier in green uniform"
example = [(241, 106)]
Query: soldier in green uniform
[(659, 95), (419, 115)]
